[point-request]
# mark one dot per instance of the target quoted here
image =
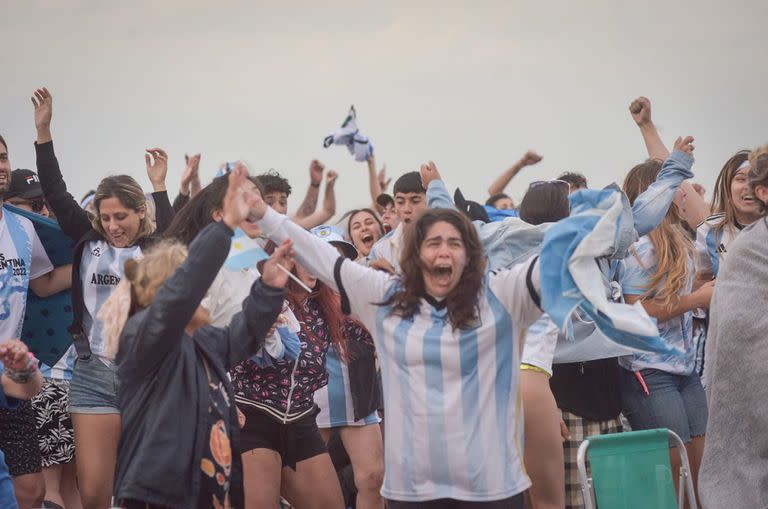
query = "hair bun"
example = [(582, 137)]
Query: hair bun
[(131, 269)]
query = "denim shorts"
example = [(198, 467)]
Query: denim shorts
[(93, 389), (675, 402)]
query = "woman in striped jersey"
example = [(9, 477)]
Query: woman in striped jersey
[(447, 336), (664, 390), (349, 402), (118, 232), (733, 208)]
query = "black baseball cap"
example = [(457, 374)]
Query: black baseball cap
[(471, 209), (24, 184)]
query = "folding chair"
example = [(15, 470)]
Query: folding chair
[(632, 470)]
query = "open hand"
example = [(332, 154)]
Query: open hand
[(43, 102), (640, 109), (157, 167), (382, 179), (685, 145), (190, 178), (271, 272), (429, 172), (239, 200)]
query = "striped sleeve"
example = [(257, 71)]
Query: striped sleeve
[(518, 288), (359, 286)]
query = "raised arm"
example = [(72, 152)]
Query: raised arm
[(246, 332), (377, 180), (323, 215), (164, 321), (157, 171), (360, 285), (640, 109), (693, 208), (502, 181), (308, 206), (74, 221), (652, 205)]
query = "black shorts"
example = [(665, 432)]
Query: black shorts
[(294, 442), (18, 440), (516, 502)]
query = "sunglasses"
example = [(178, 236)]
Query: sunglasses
[(553, 181), (36, 204)]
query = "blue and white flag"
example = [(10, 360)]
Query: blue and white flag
[(245, 252), (349, 136), (592, 231)]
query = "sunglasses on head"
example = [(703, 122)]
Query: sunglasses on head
[(36, 204), (553, 181)]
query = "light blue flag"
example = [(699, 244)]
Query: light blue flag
[(592, 231), (244, 253)]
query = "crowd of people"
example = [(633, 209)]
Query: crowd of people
[(413, 354)]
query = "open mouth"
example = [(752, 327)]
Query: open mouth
[(367, 239), (443, 273), (749, 198)]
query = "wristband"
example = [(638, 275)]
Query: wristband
[(24, 375), (314, 185)]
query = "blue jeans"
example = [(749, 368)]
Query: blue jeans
[(93, 388), (675, 402)]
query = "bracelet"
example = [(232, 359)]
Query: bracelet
[(314, 185), (23, 376)]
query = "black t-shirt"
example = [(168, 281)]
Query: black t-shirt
[(588, 389), (216, 463)]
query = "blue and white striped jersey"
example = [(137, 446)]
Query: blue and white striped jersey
[(712, 244), (101, 269), (335, 399), (452, 397)]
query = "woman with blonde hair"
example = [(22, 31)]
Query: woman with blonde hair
[(119, 231), (664, 390), (179, 442)]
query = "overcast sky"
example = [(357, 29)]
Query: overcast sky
[(470, 85)]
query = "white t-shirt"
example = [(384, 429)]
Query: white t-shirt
[(22, 258), (101, 269)]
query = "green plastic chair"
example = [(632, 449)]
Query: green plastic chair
[(632, 470)]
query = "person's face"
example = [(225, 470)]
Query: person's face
[(36, 204), (278, 201), (408, 206), (305, 276), (443, 258), (389, 217), (120, 223), (5, 169), (251, 228), (504, 204), (743, 201), (364, 231)]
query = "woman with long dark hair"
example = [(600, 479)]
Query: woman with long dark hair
[(447, 337)]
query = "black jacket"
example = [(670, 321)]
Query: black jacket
[(164, 393), (76, 224)]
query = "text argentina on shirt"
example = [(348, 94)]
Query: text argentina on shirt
[(105, 279), (17, 264)]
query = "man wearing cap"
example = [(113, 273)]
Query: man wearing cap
[(24, 265), (26, 193)]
